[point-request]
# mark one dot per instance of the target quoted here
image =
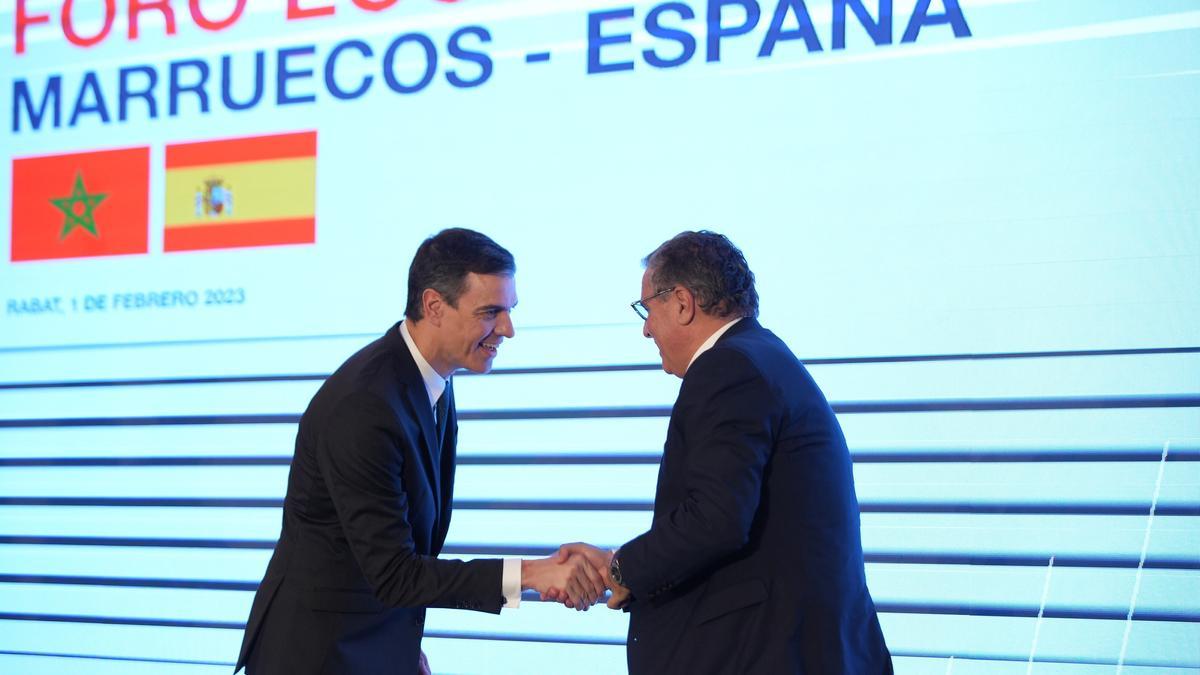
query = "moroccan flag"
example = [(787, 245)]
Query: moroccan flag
[(80, 205), (255, 191)]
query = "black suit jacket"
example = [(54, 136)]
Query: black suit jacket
[(754, 561), (366, 513)]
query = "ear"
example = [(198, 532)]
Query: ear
[(684, 304), (433, 306)]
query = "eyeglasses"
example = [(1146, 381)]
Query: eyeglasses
[(640, 307)]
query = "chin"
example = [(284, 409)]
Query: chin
[(481, 366)]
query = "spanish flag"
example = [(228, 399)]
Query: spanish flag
[(255, 191), (80, 205)]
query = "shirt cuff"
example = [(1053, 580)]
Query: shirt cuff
[(510, 583)]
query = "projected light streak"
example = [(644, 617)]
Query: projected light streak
[(1137, 579), (821, 16), (374, 25), (1174, 73), (1180, 21), (1037, 627)]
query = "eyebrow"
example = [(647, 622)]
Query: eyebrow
[(495, 308)]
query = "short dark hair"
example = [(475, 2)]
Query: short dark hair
[(444, 260), (711, 267)]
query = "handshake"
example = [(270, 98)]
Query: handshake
[(577, 576)]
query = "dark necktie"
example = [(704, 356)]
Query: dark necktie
[(443, 411)]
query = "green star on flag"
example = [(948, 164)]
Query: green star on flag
[(78, 208)]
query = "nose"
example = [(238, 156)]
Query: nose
[(505, 326), (646, 328)]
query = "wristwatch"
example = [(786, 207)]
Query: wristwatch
[(614, 568)]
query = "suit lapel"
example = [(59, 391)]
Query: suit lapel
[(417, 399)]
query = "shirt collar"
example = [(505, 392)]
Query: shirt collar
[(712, 340), (434, 384)]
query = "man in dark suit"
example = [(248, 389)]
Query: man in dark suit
[(753, 563), (370, 489)]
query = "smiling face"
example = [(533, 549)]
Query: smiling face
[(662, 325), (470, 334)]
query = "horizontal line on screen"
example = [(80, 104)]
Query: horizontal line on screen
[(183, 343), (1011, 560), (120, 621), (520, 550), (1073, 660), (155, 542), (91, 657), (1020, 403), (130, 582), (503, 637), (172, 420), (1030, 612), (135, 582), (1000, 456), (1046, 508), (883, 608), (532, 596), (477, 636), (992, 456), (279, 460), (559, 370), (233, 379), (843, 407)]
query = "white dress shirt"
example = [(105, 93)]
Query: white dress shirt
[(510, 584), (712, 340), (434, 384)]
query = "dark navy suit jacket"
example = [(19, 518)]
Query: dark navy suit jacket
[(366, 513), (754, 560)]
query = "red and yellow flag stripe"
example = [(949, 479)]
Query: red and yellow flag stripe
[(271, 181)]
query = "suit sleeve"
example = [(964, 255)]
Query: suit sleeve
[(726, 414), (361, 463)]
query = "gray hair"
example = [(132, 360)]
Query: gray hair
[(711, 267)]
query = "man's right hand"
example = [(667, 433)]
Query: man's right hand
[(599, 559), (562, 575)]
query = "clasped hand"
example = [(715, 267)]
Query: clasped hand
[(576, 575)]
